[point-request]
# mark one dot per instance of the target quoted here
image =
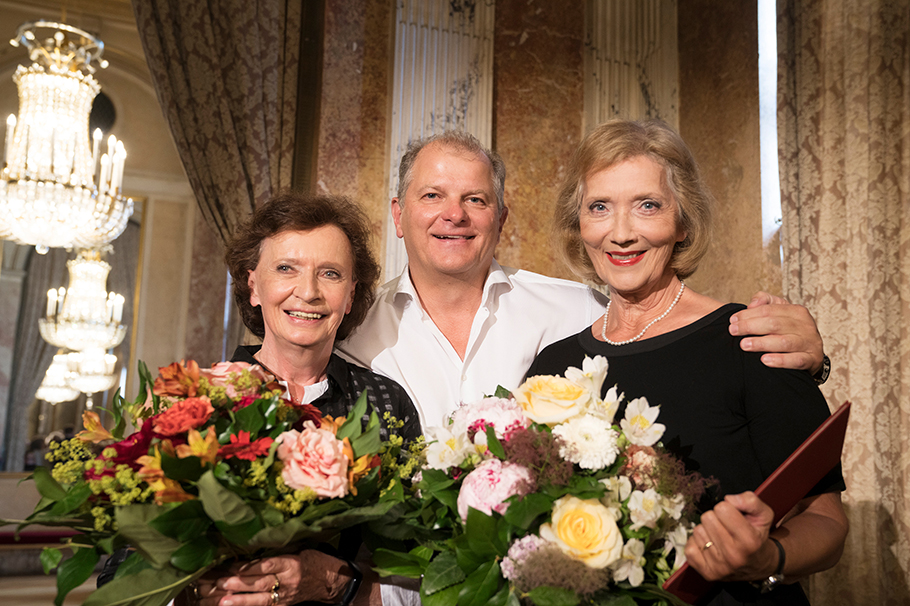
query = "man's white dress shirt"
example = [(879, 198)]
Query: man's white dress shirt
[(520, 313)]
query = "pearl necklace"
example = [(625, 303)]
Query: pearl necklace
[(603, 331)]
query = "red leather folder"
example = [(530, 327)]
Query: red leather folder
[(782, 490)]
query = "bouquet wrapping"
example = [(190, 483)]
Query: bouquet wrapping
[(221, 467), (538, 497)]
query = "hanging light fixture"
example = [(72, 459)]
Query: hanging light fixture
[(85, 316), (56, 190), (91, 371), (54, 388)]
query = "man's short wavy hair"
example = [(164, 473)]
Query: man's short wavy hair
[(458, 140), (294, 211), (614, 142)]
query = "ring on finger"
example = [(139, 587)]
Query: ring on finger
[(707, 545), (273, 596)]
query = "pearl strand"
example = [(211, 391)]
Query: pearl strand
[(603, 331)]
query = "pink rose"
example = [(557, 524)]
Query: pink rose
[(314, 458), (491, 483), (229, 376), (502, 414)]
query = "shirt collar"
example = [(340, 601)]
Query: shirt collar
[(404, 289)]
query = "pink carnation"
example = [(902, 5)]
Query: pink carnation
[(223, 375), (314, 458), (502, 414), (491, 483)]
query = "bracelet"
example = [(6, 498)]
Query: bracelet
[(778, 577), (353, 586)]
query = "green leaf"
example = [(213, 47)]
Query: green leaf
[(149, 587), (50, 558), (480, 585), (133, 525), (74, 572), (546, 595), (468, 559), (368, 442), (493, 443), (502, 392), (522, 512), (388, 563), (444, 597), (146, 385), (47, 486), (196, 554), (184, 522), (442, 572), (249, 419), (240, 534), (187, 469), (133, 564), (483, 535), (221, 504), (352, 426), (75, 496)]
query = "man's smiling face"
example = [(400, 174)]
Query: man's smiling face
[(449, 218)]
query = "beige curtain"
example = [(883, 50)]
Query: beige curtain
[(226, 76), (844, 129)]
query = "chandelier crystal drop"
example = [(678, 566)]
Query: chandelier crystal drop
[(54, 388), (84, 316), (57, 190)]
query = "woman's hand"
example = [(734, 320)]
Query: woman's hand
[(310, 575), (731, 543), (786, 331)]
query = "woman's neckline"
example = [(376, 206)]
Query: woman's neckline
[(590, 342)]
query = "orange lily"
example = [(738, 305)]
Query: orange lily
[(205, 448), (94, 431)]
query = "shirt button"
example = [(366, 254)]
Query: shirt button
[(464, 378)]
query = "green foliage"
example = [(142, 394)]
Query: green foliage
[(74, 572)]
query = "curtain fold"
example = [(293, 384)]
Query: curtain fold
[(844, 133), (225, 72)]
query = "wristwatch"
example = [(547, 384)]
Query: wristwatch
[(778, 577), (353, 586), (822, 375)]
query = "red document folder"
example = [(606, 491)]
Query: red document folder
[(782, 490)]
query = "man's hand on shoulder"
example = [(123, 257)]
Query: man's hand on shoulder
[(787, 333)]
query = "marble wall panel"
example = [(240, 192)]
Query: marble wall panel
[(538, 106), (719, 119), (355, 105), (208, 282)]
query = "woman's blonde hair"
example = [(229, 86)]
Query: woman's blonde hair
[(620, 140)]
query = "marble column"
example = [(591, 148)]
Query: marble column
[(539, 101)]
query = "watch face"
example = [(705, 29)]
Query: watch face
[(771, 582)]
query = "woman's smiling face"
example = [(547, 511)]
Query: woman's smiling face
[(304, 282), (629, 225)]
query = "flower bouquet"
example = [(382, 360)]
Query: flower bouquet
[(537, 497), (221, 466)]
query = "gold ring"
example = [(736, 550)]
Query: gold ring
[(707, 545), (274, 595), (195, 589)]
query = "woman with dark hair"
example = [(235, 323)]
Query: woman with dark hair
[(635, 215), (303, 276)]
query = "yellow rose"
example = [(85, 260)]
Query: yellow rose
[(585, 531), (551, 400)]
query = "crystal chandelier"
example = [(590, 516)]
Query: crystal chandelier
[(54, 388), (91, 371), (55, 190), (85, 316)]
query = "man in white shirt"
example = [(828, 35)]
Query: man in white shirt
[(455, 324)]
